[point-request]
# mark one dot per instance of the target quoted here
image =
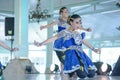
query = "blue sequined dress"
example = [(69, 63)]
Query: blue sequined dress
[(62, 25), (73, 45)]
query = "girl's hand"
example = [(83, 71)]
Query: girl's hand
[(97, 51), (89, 29), (14, 49), (42, 27), (36, 43)]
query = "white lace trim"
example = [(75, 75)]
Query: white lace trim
[(78, 67), (74, 68), (79, 48), (62, 49), (93, 67)]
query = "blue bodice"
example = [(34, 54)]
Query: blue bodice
[(71, 38), (62, 25)]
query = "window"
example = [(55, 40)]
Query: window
[(37, 54), (4, 58), (108, 55), (34, 30), (2, 31)]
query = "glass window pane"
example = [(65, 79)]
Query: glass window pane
[(4, 58), (2, 31), (39, 60), (35, 33), (108, 55), (55, 59), (37, 54)]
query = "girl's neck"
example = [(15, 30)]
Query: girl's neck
[(71, 29), (64, 18)]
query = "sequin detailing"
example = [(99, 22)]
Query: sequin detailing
[(79, 48), (67, 35), (63, 24), (77, 37)]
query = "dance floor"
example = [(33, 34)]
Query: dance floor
[(59, 77)]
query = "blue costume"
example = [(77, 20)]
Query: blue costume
[(62, 25), (72, 42)]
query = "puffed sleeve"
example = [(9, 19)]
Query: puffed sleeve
[(61, 34), (83, 35)]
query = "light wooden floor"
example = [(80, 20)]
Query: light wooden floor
[(59, 77)]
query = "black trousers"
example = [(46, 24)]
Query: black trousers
[(82, 74), (61, 56)]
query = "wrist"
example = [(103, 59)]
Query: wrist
[(40, 44), (11, 49), (93, 48), (44, 27), (87, 29)]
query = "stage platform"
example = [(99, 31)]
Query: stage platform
[(59, 77)]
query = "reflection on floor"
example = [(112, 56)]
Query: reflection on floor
[(59, 77)]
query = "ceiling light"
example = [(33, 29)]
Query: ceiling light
[(118, 28), (38, 14)]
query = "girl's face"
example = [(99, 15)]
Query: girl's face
[(76, 23), (65, 13)]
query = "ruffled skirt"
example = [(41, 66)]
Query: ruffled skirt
[(75, 59)]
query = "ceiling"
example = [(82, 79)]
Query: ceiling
[(78, 6), (102, 16), (81, 7)]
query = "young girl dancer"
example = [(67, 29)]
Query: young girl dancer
[(76, 60), (62, 24)]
